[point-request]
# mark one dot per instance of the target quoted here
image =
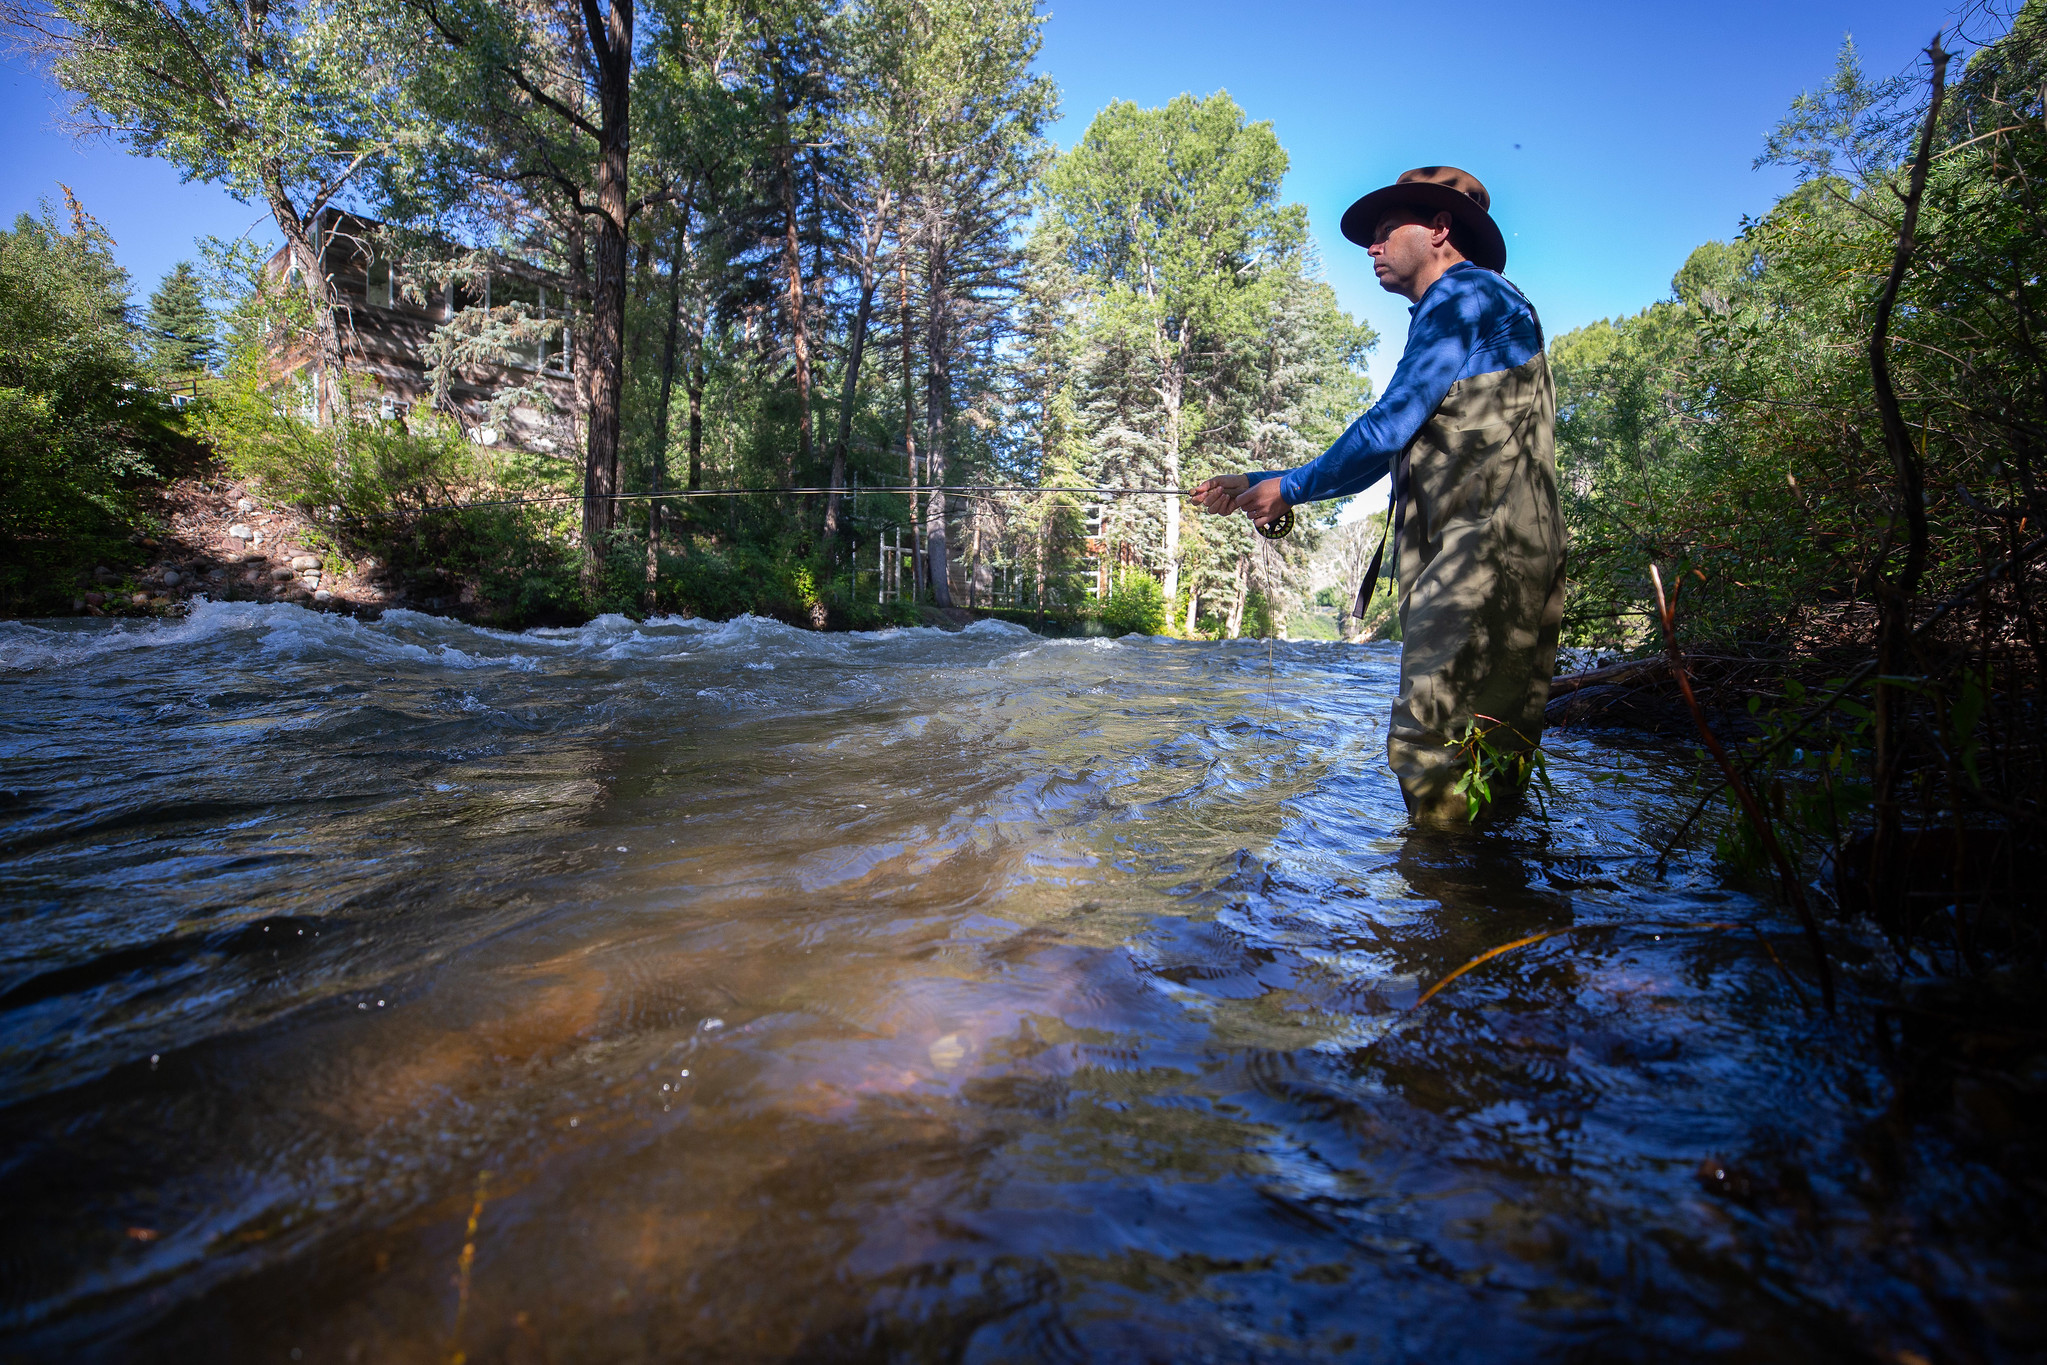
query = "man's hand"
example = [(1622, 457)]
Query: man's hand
[(1261, 502), (1236, 493), (1219, 495)]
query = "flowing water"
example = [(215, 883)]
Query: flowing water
[(683, 991)]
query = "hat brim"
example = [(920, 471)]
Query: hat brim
[(1361, 220)]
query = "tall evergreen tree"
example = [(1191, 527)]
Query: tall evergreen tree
[(179, 324)]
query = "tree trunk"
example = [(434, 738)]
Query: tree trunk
[(974, 555), (660, 460), (799, 328), (306, 255), (1894, 610), (1044, 538), (1243, 593), (856, 347), (1193, 607), (696, 408), (611, 48), (910, 423), (1175, 386), (936, 384)]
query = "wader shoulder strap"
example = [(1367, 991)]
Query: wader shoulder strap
[(1396, 517)]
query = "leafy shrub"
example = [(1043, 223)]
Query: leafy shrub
[(363, 467), (1258, 622), (78, 434), (1137, 606)]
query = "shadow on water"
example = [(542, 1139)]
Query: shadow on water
[(403, 991)]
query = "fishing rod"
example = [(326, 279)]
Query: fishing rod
[(1276, 529)]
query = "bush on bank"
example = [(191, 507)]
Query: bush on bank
[(1135, 605), (82, 437)]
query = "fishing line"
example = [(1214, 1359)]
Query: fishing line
[(1276, 529)]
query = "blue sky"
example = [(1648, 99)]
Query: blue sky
[(1636, 124)]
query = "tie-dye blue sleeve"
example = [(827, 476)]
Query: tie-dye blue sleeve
[(1445, 330)]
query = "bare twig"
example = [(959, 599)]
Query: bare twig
[(1897, 438), (1666, 608), (1827, 703)]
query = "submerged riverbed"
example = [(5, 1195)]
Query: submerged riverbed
[(686, 991)]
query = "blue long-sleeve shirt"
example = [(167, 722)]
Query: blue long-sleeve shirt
[(1470, 322)]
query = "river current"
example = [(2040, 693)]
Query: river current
[(680, 991)]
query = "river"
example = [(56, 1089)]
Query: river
[(407, 991)]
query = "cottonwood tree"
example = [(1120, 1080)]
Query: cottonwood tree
[(283, 104), (534, 100), (1292, 387), (1174, 221)]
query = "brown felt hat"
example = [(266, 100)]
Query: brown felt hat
[(1433, 189)]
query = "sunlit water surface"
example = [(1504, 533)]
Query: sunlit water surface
[(684, 991)]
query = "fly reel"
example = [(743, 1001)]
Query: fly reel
[(1279, 526)]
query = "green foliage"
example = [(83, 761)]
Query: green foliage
[(179, 325), (1174, 213), (1259, 623), (364, 468), (282, 103), (1731, 432), (1733, 435), (1813, 784), (1205, 343), (78, 436), (1494, 769), (1136, 605)]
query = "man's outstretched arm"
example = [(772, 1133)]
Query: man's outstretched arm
[(1445, 334)]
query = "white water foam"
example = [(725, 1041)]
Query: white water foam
[(282, 630)]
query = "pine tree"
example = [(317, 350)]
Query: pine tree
[(179, 324)]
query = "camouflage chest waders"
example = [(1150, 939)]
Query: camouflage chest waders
[(1481, 575)]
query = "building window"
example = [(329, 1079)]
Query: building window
[(555, 352), (510, 292), (378, 290)]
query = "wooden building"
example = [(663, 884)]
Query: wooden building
[(523, 395)]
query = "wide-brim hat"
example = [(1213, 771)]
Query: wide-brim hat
[(1434, 189)]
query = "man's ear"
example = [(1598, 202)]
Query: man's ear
[(1439, 230)]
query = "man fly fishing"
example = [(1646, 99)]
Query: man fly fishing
[(1467, 429)]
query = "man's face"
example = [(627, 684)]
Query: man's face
[(1401, 248)]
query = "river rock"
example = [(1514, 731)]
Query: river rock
[(95, 599), (280, 574), (305, 561), (323, 595), (171, 578), (140, 599), (246, 505), (240, 532)]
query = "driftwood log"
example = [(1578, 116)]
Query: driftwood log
[(1630, 696), (1613, 675)]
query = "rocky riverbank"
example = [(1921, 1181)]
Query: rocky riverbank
[(220, 540)]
